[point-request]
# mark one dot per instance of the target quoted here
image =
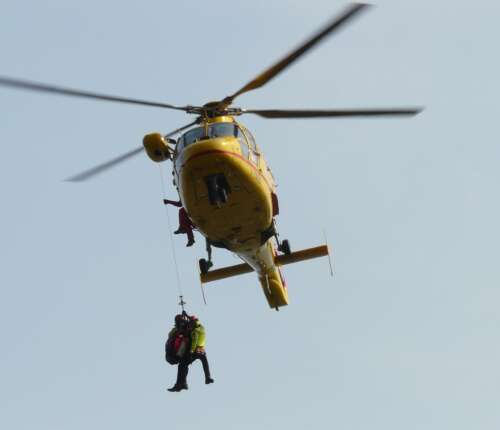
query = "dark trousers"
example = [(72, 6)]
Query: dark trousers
[(183, 368), (185, 224)]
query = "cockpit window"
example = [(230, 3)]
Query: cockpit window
[(222, 129), (219, 129), (193, 135), (251, 141)]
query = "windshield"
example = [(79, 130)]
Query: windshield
[(222, 129), (193, 135), (219, 129)]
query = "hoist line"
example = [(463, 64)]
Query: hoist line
[(174, 255)]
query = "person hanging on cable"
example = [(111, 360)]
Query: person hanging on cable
[(178, 341), (197, 332), (185, 224), (196, 352)]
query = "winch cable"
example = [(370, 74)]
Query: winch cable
[(174, 255)]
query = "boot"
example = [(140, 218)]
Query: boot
[(177, 388), (209, 380), (190, 242)]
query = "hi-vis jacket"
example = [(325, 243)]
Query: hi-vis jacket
[(197, 336)]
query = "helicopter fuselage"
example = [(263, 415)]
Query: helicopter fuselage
[(229, 193)]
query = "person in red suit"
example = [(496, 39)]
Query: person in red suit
[(185, 224)]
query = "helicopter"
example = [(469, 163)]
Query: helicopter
[(223, 180)]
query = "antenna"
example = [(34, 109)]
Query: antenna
[(332, 267)]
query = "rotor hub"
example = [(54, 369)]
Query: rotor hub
[(214, 109)]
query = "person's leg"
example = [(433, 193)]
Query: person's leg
[(206, 368), (182, 372), (190, 235), (182, 222), (185, 226)]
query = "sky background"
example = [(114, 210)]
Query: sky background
[(406, 334)]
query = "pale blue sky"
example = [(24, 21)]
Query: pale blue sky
[(404, 337)]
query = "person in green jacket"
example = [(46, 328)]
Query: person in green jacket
[(196, 352), (198, 347)]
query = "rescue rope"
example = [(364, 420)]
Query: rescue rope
[(174, 255)]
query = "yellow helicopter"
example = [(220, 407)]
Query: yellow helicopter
[(224, 183)]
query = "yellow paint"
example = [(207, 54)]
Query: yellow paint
[(248, 211), (156, 147)]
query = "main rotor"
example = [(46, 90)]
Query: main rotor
[(214, 109), (224, 106)]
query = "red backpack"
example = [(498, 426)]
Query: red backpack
[(175, 348)]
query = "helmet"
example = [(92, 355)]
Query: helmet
[(179, 320)]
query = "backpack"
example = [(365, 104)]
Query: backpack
[(175, 348)]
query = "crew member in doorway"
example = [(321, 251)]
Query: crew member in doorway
[(196, 352), (185, 224)]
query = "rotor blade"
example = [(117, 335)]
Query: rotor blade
[(284, 113), (104, 166), (47, 88), (277, 68), (117, 160)]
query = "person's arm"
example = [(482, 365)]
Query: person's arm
[(172, 202), (194, 339)]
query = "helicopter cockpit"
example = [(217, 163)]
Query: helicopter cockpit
[(248, 147), (197, 134), (220, 129)]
